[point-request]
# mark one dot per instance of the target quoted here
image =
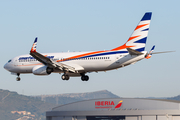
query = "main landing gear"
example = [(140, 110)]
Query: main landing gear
[(83, 77), (18, 78), (65, 77)]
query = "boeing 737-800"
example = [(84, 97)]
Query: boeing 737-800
[(79, 63)]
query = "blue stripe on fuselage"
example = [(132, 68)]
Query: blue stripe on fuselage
[(106, 53), (99, 54), (25, 58)]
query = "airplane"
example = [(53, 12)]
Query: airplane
[(73, 64)]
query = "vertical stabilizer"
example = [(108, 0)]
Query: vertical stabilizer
[(137, 40)]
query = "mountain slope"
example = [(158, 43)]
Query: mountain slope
[(174, 98), (12, 101), (74, 97), (14, 105)]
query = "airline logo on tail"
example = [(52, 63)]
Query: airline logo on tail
[(137, 40)]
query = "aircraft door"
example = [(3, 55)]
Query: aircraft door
[(15, 62)]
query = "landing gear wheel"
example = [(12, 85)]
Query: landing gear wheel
[(65, 77), (18, 79), (84, 78)]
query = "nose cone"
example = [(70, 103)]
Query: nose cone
[(7, 66)]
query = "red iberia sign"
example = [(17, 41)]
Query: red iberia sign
[(107, 104)]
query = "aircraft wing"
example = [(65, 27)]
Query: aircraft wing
[(48, 62)]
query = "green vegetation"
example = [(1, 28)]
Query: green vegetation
[(11, 101)]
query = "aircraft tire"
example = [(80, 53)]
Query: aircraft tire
[(18, 79), (65, 77), (82, 78), (85, 78)]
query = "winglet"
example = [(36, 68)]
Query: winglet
[(152, 49), (150, 53), (33, 49)]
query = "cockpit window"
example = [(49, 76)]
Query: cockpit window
[(9, 61)]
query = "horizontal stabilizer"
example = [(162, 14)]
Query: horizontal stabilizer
[(133, 52), (162, 52)]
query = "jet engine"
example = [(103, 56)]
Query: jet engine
[(41, 70)]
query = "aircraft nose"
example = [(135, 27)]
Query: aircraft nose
[(6, 66)]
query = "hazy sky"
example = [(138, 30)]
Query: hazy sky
[(81, 25)]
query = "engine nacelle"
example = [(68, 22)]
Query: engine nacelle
[(41, 70)]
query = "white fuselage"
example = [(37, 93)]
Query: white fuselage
[(25, 63)]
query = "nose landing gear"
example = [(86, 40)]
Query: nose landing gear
[(18, 78)]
